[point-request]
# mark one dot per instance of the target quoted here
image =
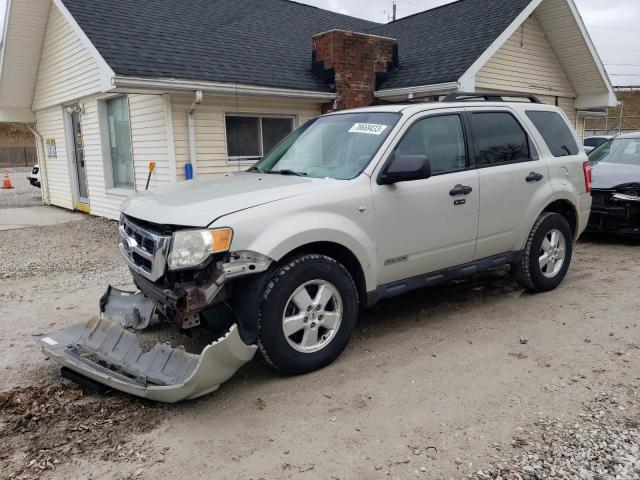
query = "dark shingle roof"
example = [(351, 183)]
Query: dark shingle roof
[(268, 42), (258, 42), (439, 45)]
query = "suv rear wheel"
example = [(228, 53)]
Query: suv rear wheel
[(547, 254), (308, 311)]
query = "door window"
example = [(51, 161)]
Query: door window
[(555, 132), (441, 139), (500, 139)]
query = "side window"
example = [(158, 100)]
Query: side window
[(555, 132), (441, 139), (500, 139)]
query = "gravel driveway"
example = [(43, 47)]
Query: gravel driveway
[(435, 384), (23, 194)]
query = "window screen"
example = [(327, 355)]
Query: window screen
[(500, 139), (555, 132), (441, 139), (251, 137)]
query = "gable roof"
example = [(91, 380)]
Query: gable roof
[(268, 42), (439, 45), (259, 42)]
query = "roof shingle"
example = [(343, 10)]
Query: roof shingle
[(268, 42)]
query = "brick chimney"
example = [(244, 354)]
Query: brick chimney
[(354, 64)]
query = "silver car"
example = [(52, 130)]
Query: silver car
[(352, 207)]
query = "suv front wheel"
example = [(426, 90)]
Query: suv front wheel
[(308, 311), (547, 254)]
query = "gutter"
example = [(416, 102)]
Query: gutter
[(411, 92), (191, 167), (177, 85), (42, 163)]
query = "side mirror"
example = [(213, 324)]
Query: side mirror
[(405, 168)]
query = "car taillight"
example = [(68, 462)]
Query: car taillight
[(586, 168)]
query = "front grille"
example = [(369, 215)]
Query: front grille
[(144, 250)]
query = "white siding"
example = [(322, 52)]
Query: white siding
[(67, 70), (526, 63), (50, 124), (21, 51), (148, 143), (570, 46), (149, 139), (211, 146)]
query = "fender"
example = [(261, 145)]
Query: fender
[(311, 227), (344, 216), (564, 196)]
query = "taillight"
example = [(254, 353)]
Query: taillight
[(586, 168)]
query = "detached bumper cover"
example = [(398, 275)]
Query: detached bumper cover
[(102, 350)]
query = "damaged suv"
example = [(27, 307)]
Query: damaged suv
[(350, 208)]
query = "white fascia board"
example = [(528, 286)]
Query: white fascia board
[(17, 115), (106, 73), (597, 100), (417, 90), (178, 85), (7, 15), (468, 79), (594, 53)]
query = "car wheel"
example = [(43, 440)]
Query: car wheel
[(308, 311), (547, 254)]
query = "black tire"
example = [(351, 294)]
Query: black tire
[(527, 271), (284, 281)]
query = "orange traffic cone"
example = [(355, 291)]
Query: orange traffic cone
[(6, 184)]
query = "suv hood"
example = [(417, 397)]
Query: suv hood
[(197, 203), (611, 175)]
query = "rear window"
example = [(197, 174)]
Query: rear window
[(593, 141), (555, 132)]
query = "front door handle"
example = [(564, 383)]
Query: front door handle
[(534, 177), (460, 190)]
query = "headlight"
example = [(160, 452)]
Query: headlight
[(192, 247)]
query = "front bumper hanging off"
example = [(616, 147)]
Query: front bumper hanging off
[(105, 351)]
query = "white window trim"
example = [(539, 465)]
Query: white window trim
[(244, 160), (105, 144)]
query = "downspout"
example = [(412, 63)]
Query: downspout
[(42, 162), (190, 168)]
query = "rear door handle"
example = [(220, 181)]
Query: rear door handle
[(460, 190), (534, 177)]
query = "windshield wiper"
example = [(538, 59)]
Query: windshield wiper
[(255, 168), (286, 171)]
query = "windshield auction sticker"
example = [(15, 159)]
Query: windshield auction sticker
[(368, 128)]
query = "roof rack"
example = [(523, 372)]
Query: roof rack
[(488, 97)]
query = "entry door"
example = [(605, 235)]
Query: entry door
[(514, 181), (426, 225), (78, 156)]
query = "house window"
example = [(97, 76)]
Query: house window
[(250, 137), (119, 141)]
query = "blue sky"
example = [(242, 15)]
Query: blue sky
[(612, 24)]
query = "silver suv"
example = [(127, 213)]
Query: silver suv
[(352, 207)]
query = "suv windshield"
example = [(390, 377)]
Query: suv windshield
[(337, 146), (618, 150)]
